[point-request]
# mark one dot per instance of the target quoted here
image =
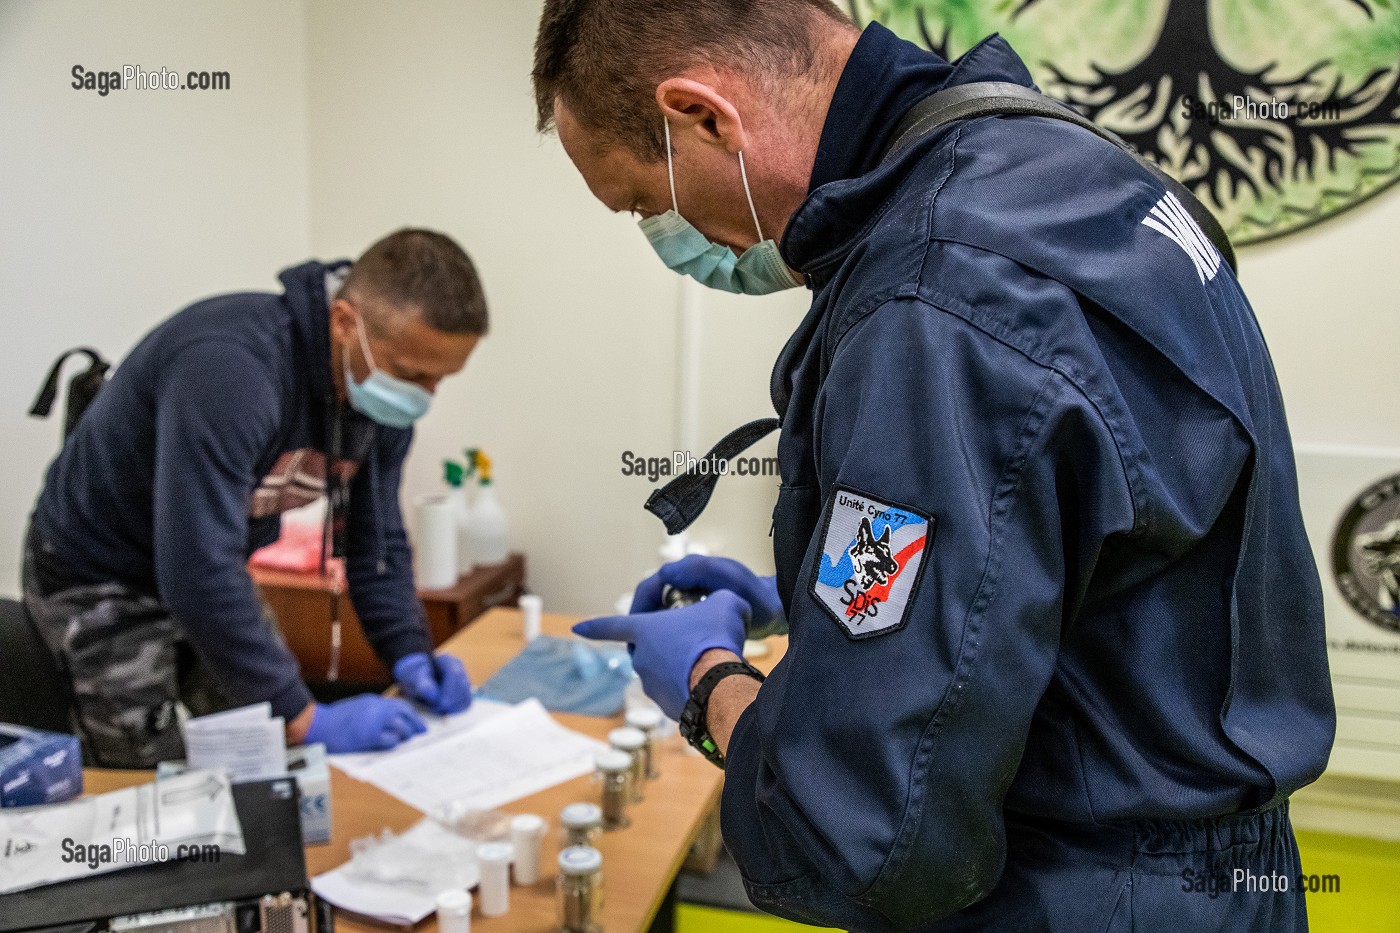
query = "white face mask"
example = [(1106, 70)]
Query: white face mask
[(684, 249)]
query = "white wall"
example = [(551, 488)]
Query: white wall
[(1328, 300), (116, 211), (422, 114)]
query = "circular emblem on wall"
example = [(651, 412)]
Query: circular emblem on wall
[(1276, 114), (1366, 554)]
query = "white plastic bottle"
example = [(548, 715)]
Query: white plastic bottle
[(457, 495), (486, 519), (486, 526)]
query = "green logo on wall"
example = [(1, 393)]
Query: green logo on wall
[(1277, 114)]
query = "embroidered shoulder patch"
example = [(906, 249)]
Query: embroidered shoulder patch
[(871, 559)]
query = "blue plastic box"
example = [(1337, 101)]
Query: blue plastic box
[(38, 767)]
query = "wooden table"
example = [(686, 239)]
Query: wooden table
[(639, 862), (301, 603)]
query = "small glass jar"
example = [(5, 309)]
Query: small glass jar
[(583, 824), (613, 770), (632, 741), (580, 890), (648, 721)]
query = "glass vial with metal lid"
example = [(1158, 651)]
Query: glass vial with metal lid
[(580, 888), (632, 741), (648, 721), (583, 824), (613, 770)]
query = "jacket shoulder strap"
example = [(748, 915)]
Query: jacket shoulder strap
[(1000, 98)]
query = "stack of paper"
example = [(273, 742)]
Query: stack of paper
[(487, 761), (250, 742)]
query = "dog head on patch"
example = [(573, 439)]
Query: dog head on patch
[(872, 557)]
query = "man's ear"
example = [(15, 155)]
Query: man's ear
[(697, 108), (342, 316)]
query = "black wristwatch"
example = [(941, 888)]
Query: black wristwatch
[(693, 725)]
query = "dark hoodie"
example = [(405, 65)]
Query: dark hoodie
[(217, 422)]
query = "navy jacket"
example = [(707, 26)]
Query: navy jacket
[(215, 423), (1038, 535)]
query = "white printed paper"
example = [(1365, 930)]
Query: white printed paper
[(357, 764), (123, 829), (510, 755), (250, 742)]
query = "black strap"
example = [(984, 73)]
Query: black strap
[(679, 503), (48, 392), (1000, 98)]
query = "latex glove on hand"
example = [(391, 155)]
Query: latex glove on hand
[(708, 574), (666, 644), (367, 723), (439, 682)]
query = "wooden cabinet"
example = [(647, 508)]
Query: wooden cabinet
[(301, 603)]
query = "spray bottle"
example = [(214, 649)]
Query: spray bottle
[(486, 520)]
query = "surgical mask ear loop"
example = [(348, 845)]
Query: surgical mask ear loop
[(364, 341), (671, 167), (743, 173)]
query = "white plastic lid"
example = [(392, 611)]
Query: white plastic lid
[(580, 860), (581, 815), (644, 717), (613, 760), (458, 901), (527, 824), (495, 853), (627, 738), (530, 602)]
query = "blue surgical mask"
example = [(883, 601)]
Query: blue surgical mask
[(386, 399), (684, 249)]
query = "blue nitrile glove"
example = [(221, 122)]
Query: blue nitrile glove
[(366, 723), (439, 682), (707, 574), (666, 644)]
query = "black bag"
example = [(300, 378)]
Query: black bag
[(82, 388)]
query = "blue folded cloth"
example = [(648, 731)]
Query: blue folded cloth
[(566, 675)]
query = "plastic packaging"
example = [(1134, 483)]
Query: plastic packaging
[(454, 912), (426, 857), (526, 834), (632, 741), (494, 859), (434, 543), (580, 890), (474, 824), (531, 609), (613, 769), (647, 721), (582, 823)]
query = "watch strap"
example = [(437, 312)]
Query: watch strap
[(693, 725)]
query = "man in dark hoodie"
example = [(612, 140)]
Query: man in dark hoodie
[(1057, 657), (234, 410)]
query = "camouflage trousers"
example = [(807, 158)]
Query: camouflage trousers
[(131, 674)]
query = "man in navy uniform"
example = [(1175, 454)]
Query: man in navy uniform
[(1057, 656), (226, 415)]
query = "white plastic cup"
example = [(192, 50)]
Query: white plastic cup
[(454, 912), (494, 860), (531, 607), (526, 833)]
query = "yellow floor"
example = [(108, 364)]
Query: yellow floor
[(1368, 902)]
